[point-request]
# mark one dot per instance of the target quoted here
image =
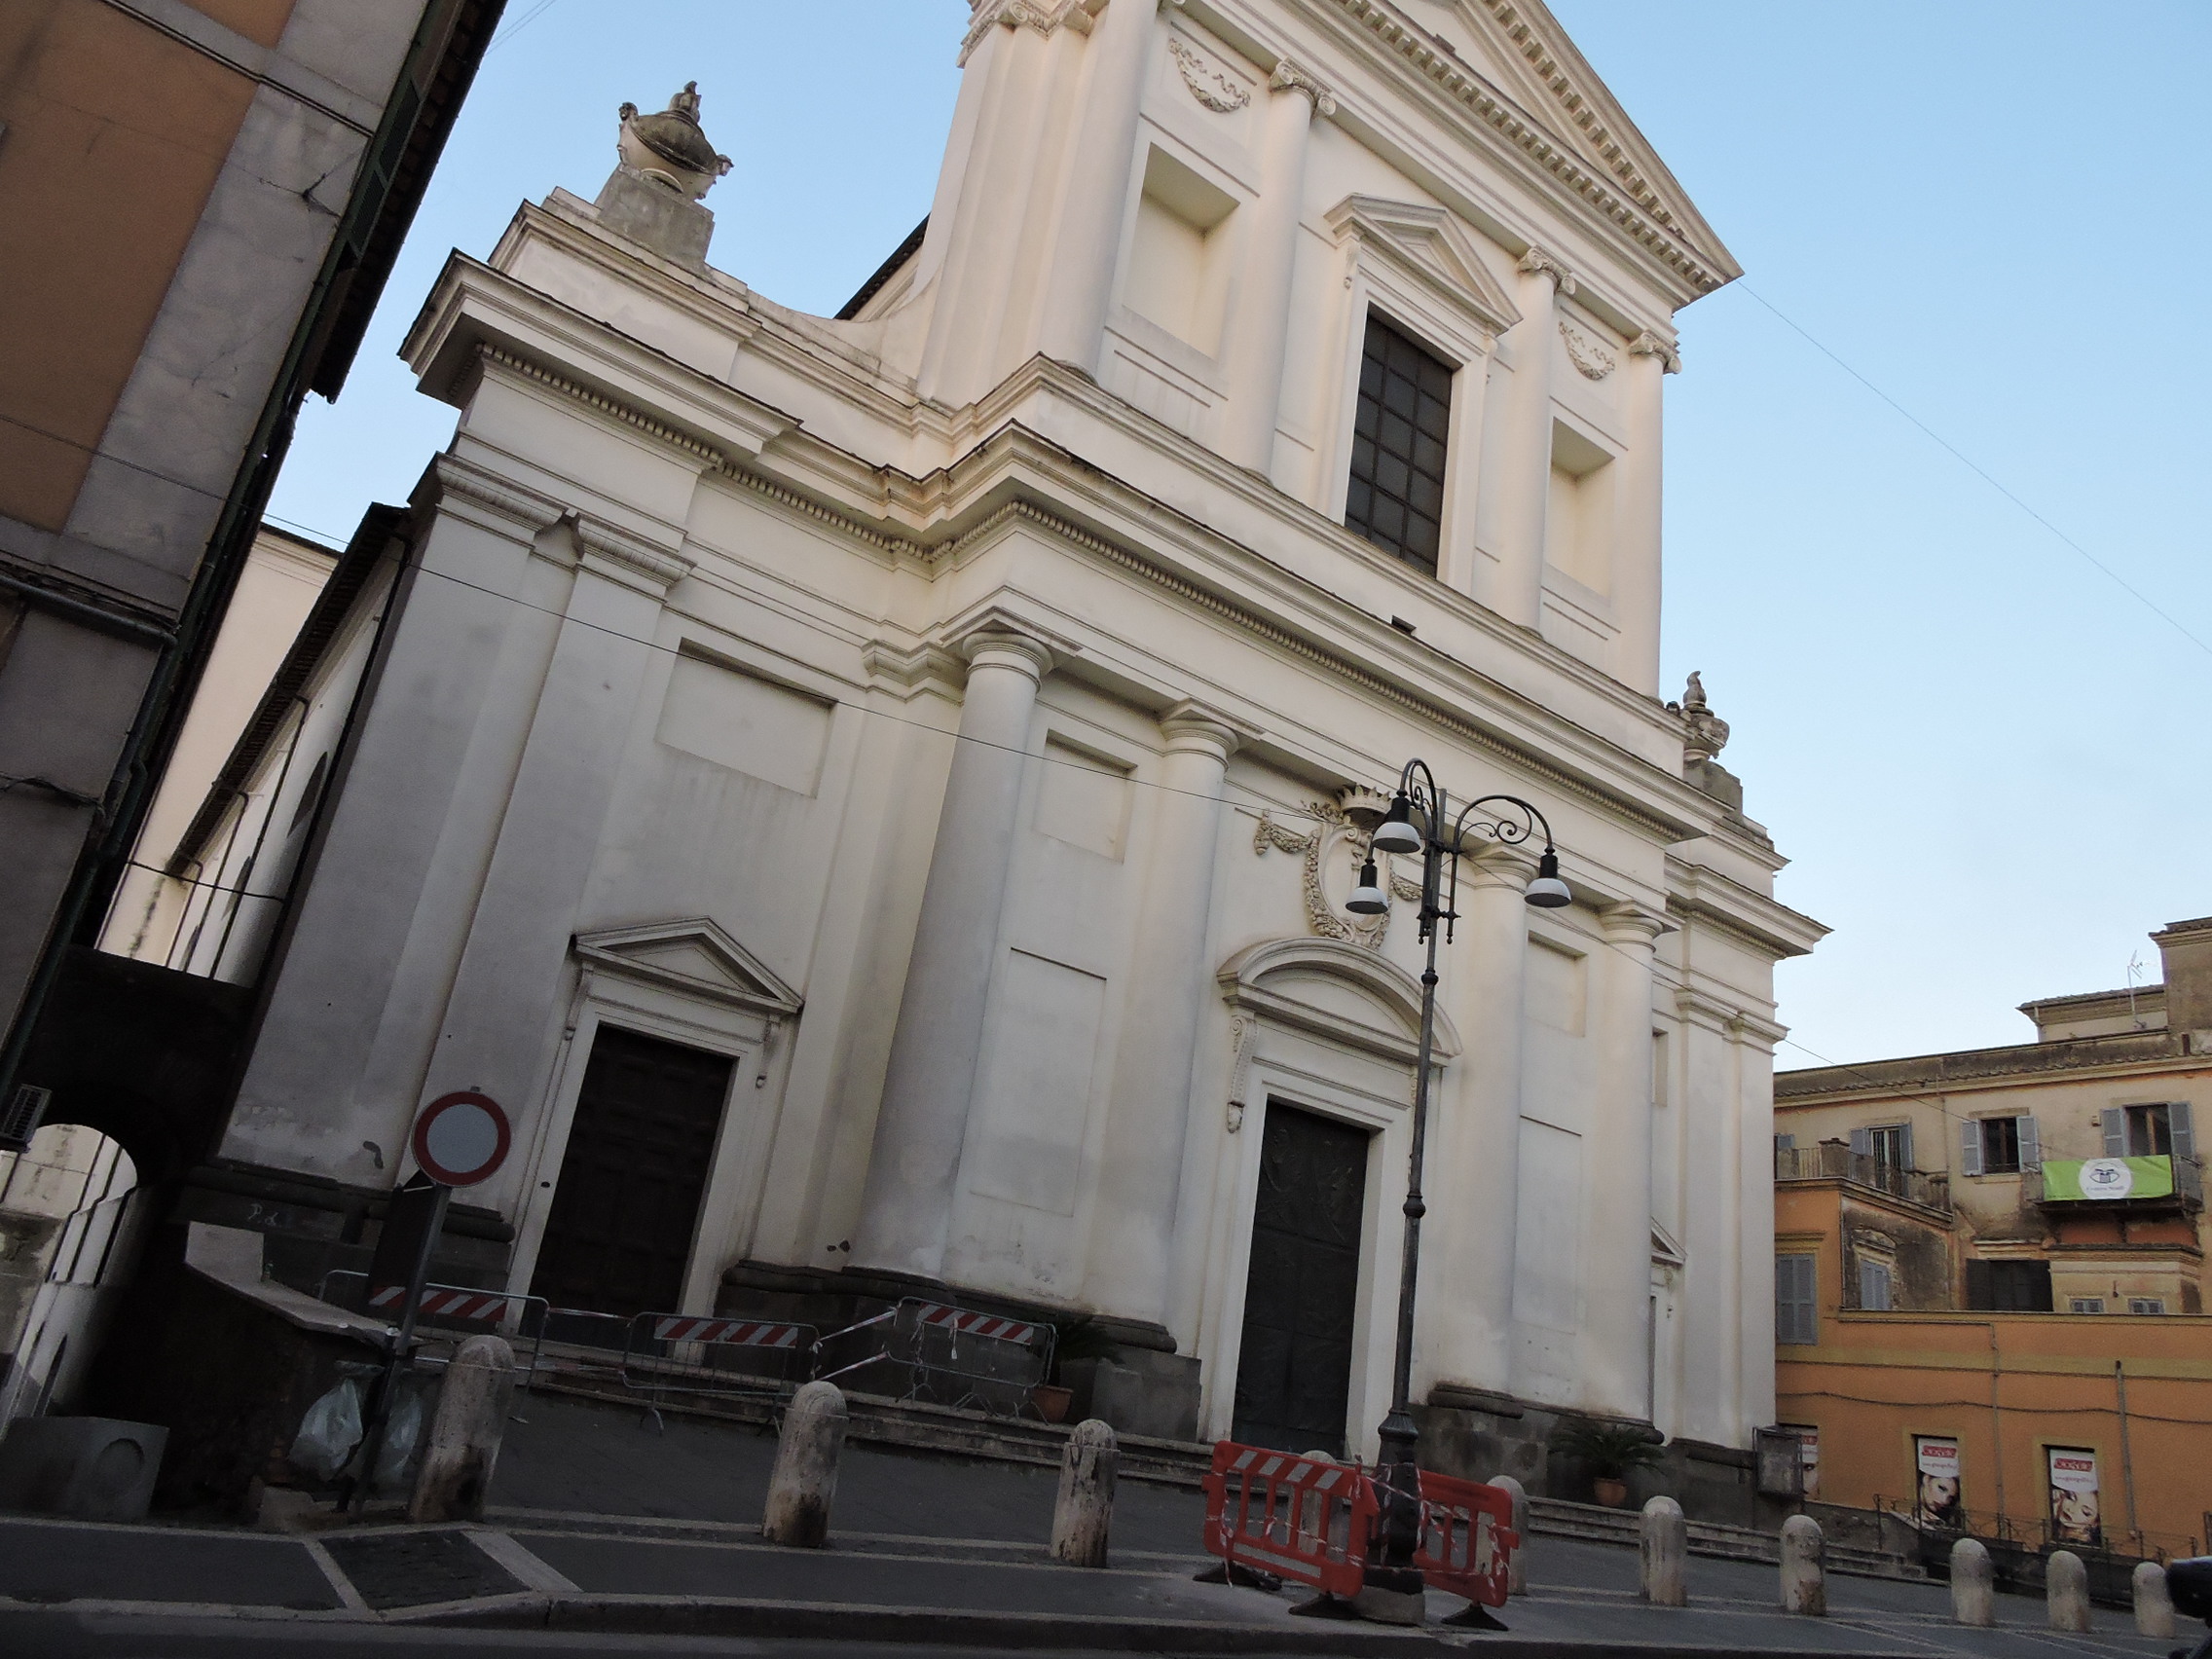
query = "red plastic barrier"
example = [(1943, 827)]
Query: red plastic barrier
[(1313, 1521), (1281, 1513), (1467, 1538)]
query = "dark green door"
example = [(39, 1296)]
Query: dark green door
[(1293, 1368)]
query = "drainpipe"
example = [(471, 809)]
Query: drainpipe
[(1996, 1421), (2127, 1455)]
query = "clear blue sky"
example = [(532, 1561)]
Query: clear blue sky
[(1987, 761)]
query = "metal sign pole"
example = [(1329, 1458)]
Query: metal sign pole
[(401, 1339)]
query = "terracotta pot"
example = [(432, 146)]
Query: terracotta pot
[(1051, 1401), (1611, 1493)]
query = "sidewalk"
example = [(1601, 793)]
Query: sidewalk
[(601, 1524)]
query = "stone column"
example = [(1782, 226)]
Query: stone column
[(1638, 501), (1097, 190), (1254, 352), (906, 1203), (1715, 1286), (1169, 984), (1616, 1330), (1516, 588), (1468, 1320)]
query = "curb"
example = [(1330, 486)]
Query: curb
[(699, 1615)]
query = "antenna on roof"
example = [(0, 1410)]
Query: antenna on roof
[(2134, 973)]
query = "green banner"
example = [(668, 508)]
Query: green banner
[(2094, 1178)]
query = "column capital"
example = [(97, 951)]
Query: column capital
[(1631, 923), (1501, 864), (1288, 77), (1022, 652), (1649, 345), (1537, 263), (1192, 725)]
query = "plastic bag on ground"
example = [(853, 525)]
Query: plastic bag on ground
[(328, 1432)]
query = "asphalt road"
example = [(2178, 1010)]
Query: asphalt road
[(67, 1635)]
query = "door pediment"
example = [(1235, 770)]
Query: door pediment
[(694, 956)]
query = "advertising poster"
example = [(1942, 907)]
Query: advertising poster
[(1809, 1455), (1936, 1471), (2076, 1517)]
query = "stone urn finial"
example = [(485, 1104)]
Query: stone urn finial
[(1705, 733), (668, 148)]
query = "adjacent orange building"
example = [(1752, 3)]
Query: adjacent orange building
[(1989, 1274)]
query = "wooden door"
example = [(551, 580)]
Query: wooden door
[(1294, 1368), (618, 1237)]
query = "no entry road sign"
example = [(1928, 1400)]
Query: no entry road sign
[(462, 1138)]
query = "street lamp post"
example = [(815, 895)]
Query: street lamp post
[(1416, 823)]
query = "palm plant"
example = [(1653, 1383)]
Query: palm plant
[(1608, 1450)]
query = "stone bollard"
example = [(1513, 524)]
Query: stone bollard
[(1085, 1511), (804, 1484), (1517, 1570), (2066, 1591), (466, 1427), (1973, 1584), (1804, 1581), (1666, 1548), (2153, 1606)]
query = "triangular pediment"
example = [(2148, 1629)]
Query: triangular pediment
[(1514, 65), (1431, 245), (694, 956)]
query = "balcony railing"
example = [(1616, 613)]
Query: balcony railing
[(1834, 1161)]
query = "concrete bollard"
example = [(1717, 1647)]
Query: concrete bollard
[(1085, 1511), (2153, 1606), (2066, 1591), (804, 1485), (1973, 1584), (1517, 1570), (1804, 1572), (1665, 1548), (466, 1427)]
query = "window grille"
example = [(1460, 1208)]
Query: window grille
[(1396, 494), (2085, 1305), (2146, 1304)]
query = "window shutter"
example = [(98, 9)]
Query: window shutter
[(1862, 1142), (1873, 1287), (2038, 1287), (1904, 1147), (1796, 1315), (2183, 1130), (2116, 1131), (1970, 1147), (2031, 1148), (1785, 1143)]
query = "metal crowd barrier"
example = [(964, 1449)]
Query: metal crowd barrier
[(450, 1309), (950, 1356), (682, 1353)]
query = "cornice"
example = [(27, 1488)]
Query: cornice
[(1752, 920), (2124, 1053), (1667, 809), (1626, 200)]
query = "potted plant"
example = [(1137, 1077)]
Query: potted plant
[(1072, 1339), (1608, 1451)]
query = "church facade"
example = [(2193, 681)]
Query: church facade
[(873, 797)]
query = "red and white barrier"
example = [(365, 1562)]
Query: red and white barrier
[(1314, 1522), (480, 1305), (969, 1324), (743, 1333)]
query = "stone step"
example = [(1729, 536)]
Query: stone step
[(917, 1424), (1593, 1522)]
